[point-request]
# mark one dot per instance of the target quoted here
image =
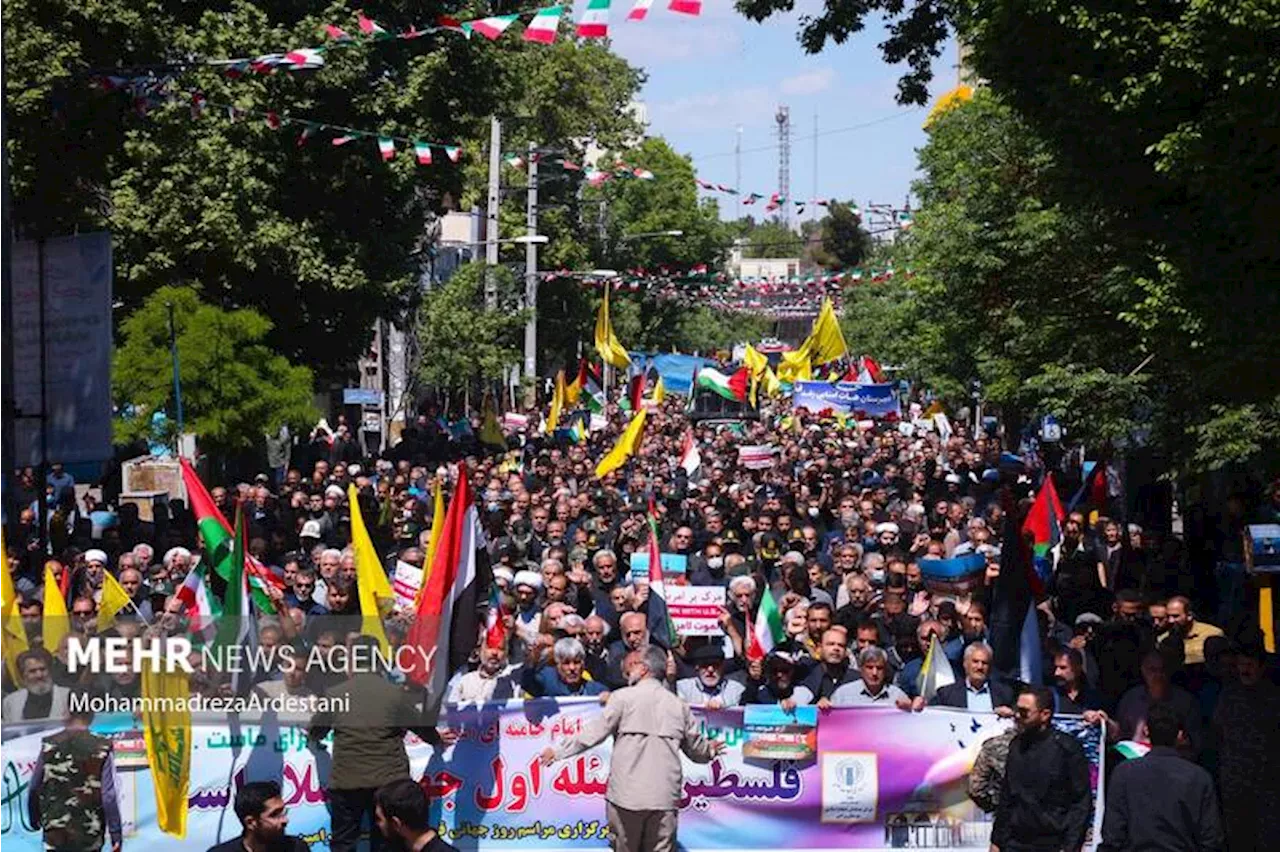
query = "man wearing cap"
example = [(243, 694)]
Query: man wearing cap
[(709, 688)]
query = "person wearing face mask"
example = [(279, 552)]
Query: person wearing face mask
[(707, 568)]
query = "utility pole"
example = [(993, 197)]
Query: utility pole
[(491, 228), (8, 404), (531, 282), (815, 161), (177, 378)]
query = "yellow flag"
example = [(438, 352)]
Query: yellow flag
[(1266, 614), (15, 634), (607, 343), (371, 579), (659, 391), (437, 530), (772, 387), (626, 447), (490, 431), (114, 599), (557, 403), (55, 613), (795, 366), (756, 363), (167, 731), (572, 391), (826, 341)]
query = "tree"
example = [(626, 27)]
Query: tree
[(768, 238), (234, 388), (320, 239), (841, 241), (459, 340), (1160, 119), (1014, 289)]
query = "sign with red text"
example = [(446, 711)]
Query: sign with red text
[(695, 610)]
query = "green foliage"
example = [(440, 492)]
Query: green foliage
[(321, 240), (841, 242), (459, 340), (1014, 290), (1158, 120), (234, 388), (769, 238)]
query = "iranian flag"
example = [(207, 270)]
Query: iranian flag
[(490, 28), (730, 387), (422, 151), (594, 22), (544, 25), (640, 10), (446, 626), (199, 605), (386, 147), (690, 457), (215, 537), (453, 152), (686, 7), (767, 632)]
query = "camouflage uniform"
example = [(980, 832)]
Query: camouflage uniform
[(987, 774), (73, 796)]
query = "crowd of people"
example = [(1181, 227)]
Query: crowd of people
[(836, 528)]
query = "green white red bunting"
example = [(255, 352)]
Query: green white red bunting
[(453, 152), (423, 153), (371, 28), (542, 29), (490, 28), (594, 22), (640, 10), (686, 7)]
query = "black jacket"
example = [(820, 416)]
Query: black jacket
[(287, 843), (1161, 802), (1045, 797), (956, 695)]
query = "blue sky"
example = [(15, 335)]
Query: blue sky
[(711, 74)]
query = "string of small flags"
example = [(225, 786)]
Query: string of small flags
[(776, 201), (542, 28)]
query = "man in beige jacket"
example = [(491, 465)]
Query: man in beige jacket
[(650, 727)]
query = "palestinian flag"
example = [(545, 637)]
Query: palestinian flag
[(1044, 524), (370, 27), (336, 33), (732, 387), (661, 629), (767, 632), (595, 395), (215, 537)]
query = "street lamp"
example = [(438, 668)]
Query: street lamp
[(523, 239), (672, 233)]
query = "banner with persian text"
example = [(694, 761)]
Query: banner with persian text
[(881, 779)]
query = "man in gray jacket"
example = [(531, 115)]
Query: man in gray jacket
[(650, 727)]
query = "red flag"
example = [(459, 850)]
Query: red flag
[(873, 369), (635, 391), (452, 579)]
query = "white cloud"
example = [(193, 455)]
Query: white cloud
[(749, 107), (653, 42), (808, 82)]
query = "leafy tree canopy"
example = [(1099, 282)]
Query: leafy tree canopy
[(459, 340), (234, 388), (321, 240)]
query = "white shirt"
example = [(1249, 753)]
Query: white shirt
[(474, 688), (692, 690)]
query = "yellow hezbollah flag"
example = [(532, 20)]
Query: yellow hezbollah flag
[(557, 403), (626, 447), (659, 391), (772, 387), (371, 580), (490, 431), (826, 341), (15, 634), (795, 366), (607, 343), (114, 599), (756, 364), (55, 613), (168, 734)]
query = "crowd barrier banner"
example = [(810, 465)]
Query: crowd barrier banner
[(881, 779), (873, 401)]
